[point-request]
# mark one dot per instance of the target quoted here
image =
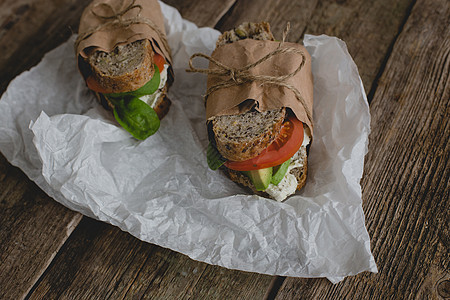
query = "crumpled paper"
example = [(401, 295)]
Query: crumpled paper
[(161, 190)]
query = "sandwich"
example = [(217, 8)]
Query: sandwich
[(264, 151), (125, 59), (132, 82)]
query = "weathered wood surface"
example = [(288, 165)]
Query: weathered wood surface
[(406, 182), (100, 261), (33, 227), (405, 186), (203, 14)]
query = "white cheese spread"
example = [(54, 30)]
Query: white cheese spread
[(288, 184), (152, 99)]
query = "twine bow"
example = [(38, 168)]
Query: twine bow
[(116, 20), (242, 75)]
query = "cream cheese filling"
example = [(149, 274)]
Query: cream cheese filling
[(153, 98), (288, 184)]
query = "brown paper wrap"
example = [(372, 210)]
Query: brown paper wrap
[(232, 100), (105, 24)]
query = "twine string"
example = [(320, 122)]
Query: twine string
[(238, 76), (116, 20)]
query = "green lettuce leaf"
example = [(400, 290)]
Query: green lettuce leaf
[(214, 158), (136, 117)]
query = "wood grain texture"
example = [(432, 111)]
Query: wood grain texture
[(406, 182), (33, 229), (99, 261), (33, 226), (368, 27), (203, 14), (276, 12), (29, 29)]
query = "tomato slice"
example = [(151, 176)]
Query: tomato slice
[(95, 86), (159, 61), (281, 149)]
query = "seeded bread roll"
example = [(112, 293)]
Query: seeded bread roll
[(247, 30), (125, 68), (245, 136), (242, 137)]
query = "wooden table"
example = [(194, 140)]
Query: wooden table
[(402, 50)]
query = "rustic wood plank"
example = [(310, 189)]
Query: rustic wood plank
[(203, 14), (99, 261), (220, 283), (29, 29), (33, 228), (368, 27), (406, 182)]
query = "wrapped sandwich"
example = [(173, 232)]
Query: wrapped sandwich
[(259, 110), (124, 57)]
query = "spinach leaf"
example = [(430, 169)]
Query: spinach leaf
[(214, 158), (148, 88), (136, 117)]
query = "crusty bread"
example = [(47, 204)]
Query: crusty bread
[(245, 136), (124, 68), (242, 137), (247, 30), (163, 103)]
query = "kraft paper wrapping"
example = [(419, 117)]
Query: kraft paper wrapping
[(100, 12), (232, 100)]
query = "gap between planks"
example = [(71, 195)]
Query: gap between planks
[(374, 87), (69, 230)]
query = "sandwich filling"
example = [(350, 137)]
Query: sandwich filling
[(152, 99), (288, 184), (135, 110), (270, 171)]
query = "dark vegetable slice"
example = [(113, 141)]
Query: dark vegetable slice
[(213, 157), (136, 117)]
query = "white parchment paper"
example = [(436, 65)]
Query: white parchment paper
[(161, 190)]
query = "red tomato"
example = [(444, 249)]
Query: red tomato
[(280, 150), (95, 86), (159, 61)]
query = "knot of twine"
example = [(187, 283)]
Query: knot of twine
[(242, 75), (116, 20)]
